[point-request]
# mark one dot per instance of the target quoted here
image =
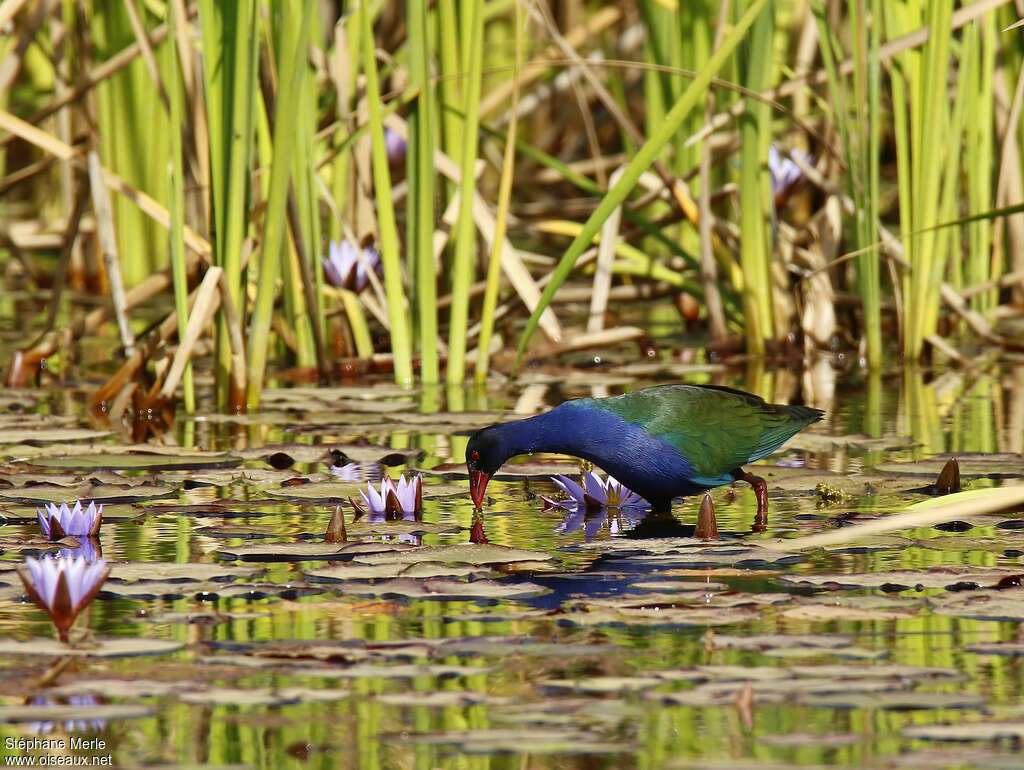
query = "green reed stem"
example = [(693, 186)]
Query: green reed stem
[(755, 229), (176, 208), (465, 234), (643, 159), (229, 45), (450, 86), (401, 347), (420, 165), (483, 348), (295, 14)]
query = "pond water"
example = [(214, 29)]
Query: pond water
[(602, 648)]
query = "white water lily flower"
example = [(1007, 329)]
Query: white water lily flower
[(595, 493), (58, 521), (404, 497), (63, 587)]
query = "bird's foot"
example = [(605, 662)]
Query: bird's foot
[(761, 491), (477, 536)]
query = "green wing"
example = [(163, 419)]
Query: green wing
[(716, 429)]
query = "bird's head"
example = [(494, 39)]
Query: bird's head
[(485, 453)]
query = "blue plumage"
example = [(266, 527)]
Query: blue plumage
[(662, 442)]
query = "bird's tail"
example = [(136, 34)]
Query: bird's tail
[(804, 415)]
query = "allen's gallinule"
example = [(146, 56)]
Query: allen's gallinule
[(663, 442)]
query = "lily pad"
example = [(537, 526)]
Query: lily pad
[(507, 741), (230, 696), (896, 701), (50, 493), (166, 571), (132, 462), (126, 688), (341, 573), (464, 553), (202, 591), (995, 465), (115, 647), (39, 435), (447, 589), (307, 551), (935, 577), (442, 699), (967, 731), (99, 712), (982, 605)]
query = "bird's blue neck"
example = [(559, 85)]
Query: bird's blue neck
[(564, 429)]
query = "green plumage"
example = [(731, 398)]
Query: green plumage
[(716, 429)]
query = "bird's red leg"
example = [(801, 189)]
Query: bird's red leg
[(477, 536), (761, 491)]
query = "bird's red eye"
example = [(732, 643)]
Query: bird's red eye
[(475, 455)]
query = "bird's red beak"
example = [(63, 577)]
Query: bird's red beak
[(478, 487)]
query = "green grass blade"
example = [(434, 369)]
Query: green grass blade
[(643, 159)]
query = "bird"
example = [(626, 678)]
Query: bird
[(663, 442)]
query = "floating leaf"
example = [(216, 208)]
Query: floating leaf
[(602, 685), (465, 553), (126, 688), (156, 571), (447, 589), (132, 462), (37, 435), (307, 551), (771, 641), (994, 465), (229, 696), (444, 699), (934, 577), (539, 740), (97, 712), (982, 605), (896, 701), (428, 569), (103, 493), (967, 731), (116, 647)]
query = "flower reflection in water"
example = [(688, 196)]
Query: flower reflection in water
[(70, 725), (593, 520)]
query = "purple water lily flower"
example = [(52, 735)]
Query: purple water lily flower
[(394, 144), (59, 521), (594, 493), (63, 587), (347, 266), (786, 174), (402, 498)]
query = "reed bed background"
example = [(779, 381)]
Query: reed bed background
[(797, 177)]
